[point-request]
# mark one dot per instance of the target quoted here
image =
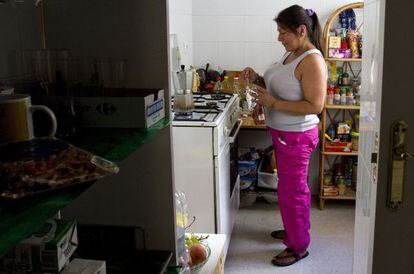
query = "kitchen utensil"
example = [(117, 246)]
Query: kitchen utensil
[(183, 98)]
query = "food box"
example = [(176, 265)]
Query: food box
[(338, 146), (330, 191), (46, 250), (81, 266), (248, 169), (122, 108), (339, 53), (334, 42)]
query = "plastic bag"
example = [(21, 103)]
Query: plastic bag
[(44, 164)]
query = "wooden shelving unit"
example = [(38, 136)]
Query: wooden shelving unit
[(343, 59), (331, 113), (342, 107), (352, 153)]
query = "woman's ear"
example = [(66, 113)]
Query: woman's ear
[(302, 30)]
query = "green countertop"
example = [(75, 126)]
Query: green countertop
[(21, 217)]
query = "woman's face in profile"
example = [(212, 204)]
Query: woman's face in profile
[(289, 39)]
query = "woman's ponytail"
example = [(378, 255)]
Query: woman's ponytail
[(316, 35)]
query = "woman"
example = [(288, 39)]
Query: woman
[(293, 93)]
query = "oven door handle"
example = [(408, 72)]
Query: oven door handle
[(232, 138)]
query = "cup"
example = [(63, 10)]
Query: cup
[(16, 122)]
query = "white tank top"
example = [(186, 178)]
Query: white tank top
[(282, 83)]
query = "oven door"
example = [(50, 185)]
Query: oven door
[(227, 191)]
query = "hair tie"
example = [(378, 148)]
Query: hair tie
[(310, 12)]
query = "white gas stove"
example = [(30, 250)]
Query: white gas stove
[(205, 162)]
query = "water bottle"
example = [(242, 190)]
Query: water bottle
[(181, 222)]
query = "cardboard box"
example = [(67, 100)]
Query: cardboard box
[(334, 42), (46, 250), (81, 266), (122, 108)]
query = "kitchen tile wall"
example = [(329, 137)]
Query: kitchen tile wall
[(181, 24), (243, 30)]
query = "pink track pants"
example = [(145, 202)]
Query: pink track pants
[(292, 151)]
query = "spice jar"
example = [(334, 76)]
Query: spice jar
[(337, 96), (330, 96), (343, 96), (349, 97)]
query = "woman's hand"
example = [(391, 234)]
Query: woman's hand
[(249, 74), (263, 97)]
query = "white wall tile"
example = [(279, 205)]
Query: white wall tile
[(231, 55), (232, 7), (182, 26), (204, 7), (186, 7), (231, 28), (205, 28), (259, 29), (206, 52), (263, 7), (261, 56)]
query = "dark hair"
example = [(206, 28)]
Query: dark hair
[(295, 16)]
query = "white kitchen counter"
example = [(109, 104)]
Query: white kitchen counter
[(215, 264)]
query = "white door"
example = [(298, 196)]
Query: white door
[(384, 237)]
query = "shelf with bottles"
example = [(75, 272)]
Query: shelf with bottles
[(343, 92), (328, 59), (343, 34), (339, 179), (341, 138), (344, 107)]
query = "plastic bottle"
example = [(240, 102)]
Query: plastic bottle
[(217, 85), (334, 74), (345, 78), (225, 85), (340, 71), (181, 221), (237, 90)]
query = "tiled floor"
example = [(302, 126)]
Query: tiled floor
[(332, 231)]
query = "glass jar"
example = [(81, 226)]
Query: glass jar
[(327, 178), (341, 188)]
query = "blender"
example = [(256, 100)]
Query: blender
[(183, 98)]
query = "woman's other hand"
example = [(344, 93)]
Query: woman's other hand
[(263, 97), (249, 74)]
